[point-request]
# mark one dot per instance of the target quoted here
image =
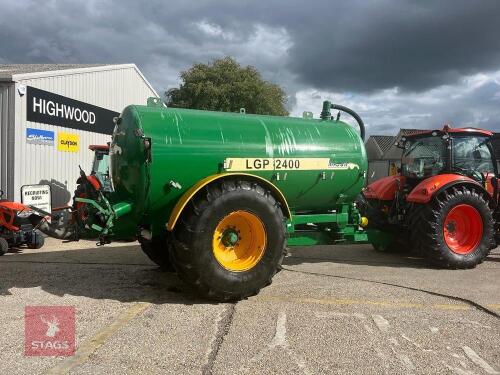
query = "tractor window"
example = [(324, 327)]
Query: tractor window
[(472, 154), (423, 157), (101, 163)]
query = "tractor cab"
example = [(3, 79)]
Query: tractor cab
[(464, 151), (100, 166)]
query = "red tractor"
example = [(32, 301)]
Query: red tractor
[(443, 204), (98, 178), (18, 225), (99, 175)]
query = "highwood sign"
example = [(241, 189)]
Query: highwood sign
[(49, 108)]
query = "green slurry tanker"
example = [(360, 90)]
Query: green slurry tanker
[(218, 196)]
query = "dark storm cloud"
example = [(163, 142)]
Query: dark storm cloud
[(414, 45), (357, 45), (354, 51)]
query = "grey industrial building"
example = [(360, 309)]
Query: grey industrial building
[(50, 114), (383, 153)]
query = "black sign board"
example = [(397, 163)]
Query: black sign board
[(49, 108)]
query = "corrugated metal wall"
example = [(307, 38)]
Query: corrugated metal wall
[(110, 89), (378, 169), (6, 138)]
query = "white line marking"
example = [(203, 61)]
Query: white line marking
[(463, 364), (381, 323), (405, 360), (279, 341), (280, 335), (474, 357), (416, 344), (458, 370), (384, 359), (393, 341)]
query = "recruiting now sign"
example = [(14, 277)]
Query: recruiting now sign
[(37, 196), (68, 142), (53, 109)]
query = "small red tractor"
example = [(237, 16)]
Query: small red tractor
[(18, 226), (443, 204), (98, 178), (99, 174)]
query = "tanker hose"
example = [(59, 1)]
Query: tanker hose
[(360, 122)]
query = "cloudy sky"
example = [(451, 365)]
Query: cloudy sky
[(399, 63)]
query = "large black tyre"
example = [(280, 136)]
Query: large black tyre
[(451, 238), (4, 246), (36, 240), (377, 219), (194, 251), (397, 246), (80, 192), (80, 208), (414, 217), (158, 250)]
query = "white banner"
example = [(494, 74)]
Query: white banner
[(37, 196)]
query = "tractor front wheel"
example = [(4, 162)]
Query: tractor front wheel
[(4, 246), (455, 229), (230, 240), (36, 240)]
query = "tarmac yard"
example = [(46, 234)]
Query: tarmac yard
[(343, 310)]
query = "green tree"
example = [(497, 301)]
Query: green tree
[(224, 85)]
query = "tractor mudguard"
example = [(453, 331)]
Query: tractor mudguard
[(92, 180), (425, 190), (8, 214), (385, 188)]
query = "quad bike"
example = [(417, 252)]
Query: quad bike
[(18, 226), (443, 204)]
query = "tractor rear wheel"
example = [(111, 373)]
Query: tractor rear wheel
[(80, 208), (230, 240), (4, 246), (158, 250), (455, 229), (36, 240)]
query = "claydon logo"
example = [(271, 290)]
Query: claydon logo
[(49, 330), (68, 142)]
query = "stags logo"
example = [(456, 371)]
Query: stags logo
[(52, 326), (49, 330)]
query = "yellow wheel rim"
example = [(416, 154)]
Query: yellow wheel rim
[(239, 241)]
